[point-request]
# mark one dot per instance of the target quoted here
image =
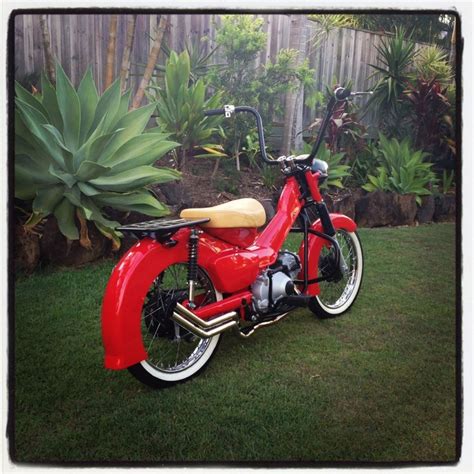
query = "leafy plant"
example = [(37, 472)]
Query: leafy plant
[(77, 152), (269, 176), (363, 164), (431, 122), (432, 63), (396, 55), (252, 149), (402, 169), (180, 108), (345, 131), (199, 59), (447, 182)]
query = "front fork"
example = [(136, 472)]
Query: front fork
[(330, 231), (328, 234)]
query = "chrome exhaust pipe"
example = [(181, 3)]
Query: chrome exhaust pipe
[(201, 328)]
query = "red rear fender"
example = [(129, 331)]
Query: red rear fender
[(229, 268)]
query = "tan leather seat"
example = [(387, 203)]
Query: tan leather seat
[(239, 213)]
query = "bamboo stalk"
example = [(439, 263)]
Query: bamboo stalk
[(109, 68), (125, 69), (152, 58), (48, 55)]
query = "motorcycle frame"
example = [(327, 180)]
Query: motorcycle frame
[(232, 270)]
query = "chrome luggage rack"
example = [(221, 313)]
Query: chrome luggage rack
[(159, 229)]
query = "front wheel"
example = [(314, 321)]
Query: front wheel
[(338, 294), (174, 354)]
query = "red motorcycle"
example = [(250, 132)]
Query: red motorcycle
[(215, 269)]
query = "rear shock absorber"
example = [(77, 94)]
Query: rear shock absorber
[(192, 264)]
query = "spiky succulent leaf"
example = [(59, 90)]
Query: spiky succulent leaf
[(77, 153), (70, 108), (88, 98), (50, 103)]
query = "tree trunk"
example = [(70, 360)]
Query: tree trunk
[(298, 42), (297, 131), (110, 62), (237, 154), (48, 55), (125, 69), (152, 58), (183, 160), (216, 167)]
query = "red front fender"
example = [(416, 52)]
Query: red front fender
[(339, 221)]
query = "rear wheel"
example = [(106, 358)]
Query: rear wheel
[(337, 294), (174, 354)]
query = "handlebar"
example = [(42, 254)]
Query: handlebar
[(340, 94), (228, 110)]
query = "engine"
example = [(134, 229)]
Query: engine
[(277, 279)]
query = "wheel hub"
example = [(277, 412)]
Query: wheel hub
[(329, 268), (158, 312)]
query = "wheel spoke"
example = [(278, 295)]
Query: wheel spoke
[(334, 295), (170, 347)]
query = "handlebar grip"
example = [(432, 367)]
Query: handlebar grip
[(341, 93), (211, 112)]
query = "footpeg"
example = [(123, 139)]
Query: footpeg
[(297, 300)]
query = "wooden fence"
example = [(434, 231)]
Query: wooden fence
[(79, 40)]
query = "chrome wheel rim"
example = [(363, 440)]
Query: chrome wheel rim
[(170, 347), (336, 295)]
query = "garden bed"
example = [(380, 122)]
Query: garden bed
[(197, 189)]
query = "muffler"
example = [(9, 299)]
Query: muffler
[(186, 318)]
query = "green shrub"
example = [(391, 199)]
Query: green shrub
[(447, 182), (363, 164), (181, 104), (431, 122), (77, 152), (396, 55), (199, 60), (431, 64), (401, 169), (240, 39)]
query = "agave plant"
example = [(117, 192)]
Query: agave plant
[(402, 169), (77, 152), (180, 107)]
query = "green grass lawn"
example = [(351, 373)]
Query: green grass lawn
[(377, 384)]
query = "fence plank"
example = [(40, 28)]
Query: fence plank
[(80, 40)]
